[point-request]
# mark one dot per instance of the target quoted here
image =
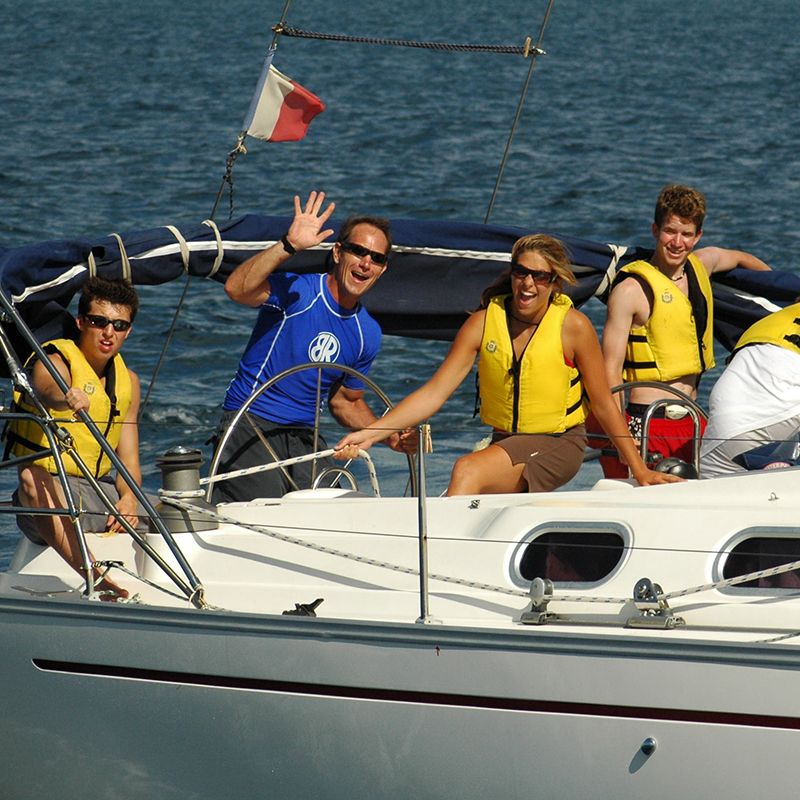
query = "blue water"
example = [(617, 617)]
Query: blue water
[(119, 116)]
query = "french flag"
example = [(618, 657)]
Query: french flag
[(281, 109)]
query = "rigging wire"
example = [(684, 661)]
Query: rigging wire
[(166, 345), (518, 50), (227, 179), (281, 29), (537, 50)]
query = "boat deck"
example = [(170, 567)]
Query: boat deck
[(360, 555)]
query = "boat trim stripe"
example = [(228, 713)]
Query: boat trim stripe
[(423, 698)]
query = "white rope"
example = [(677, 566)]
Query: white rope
[(123, 257), (373, 562), (781, 638), (182, 244), (136, 598), (288, 462), (263, 530), (751, 576), (92, 264), (220, 249)]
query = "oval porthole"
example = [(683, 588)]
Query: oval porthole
[(757, 553), (572, 556)]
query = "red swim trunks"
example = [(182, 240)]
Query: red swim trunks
[(667, 437)]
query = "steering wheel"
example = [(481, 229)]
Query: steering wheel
[(241, 417)]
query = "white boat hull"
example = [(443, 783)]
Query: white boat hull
[(132, 702)]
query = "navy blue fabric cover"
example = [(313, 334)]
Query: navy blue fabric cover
[(435, 276)]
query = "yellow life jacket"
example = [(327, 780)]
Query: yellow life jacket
[(107, 407), (781, 328), (539, 393), (678, 339)]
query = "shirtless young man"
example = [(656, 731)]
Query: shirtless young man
[(661, 319)]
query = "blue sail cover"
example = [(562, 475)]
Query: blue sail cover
[(436, 273)]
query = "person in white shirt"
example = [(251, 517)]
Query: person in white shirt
[(757, 399)]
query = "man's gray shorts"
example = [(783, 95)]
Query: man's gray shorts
[(93, 513)]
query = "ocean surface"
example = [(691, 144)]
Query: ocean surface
[(119, 116)]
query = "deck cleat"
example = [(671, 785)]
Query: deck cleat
[(304, 609), (649, 598), (541, 593)]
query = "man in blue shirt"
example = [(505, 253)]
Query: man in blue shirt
[(302, 318)]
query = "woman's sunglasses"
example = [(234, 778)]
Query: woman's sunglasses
[(539, 275), (96, 321)]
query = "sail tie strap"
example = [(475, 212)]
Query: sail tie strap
[(182, 244), (123, 257), (617, 251), (91, 261), (220, 250)]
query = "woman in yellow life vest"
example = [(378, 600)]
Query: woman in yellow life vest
[(539, 367)]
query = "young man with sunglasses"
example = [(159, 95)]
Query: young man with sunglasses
[(660, 323), (102, 385), (301, 319)]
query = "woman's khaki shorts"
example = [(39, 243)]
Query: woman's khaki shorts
[(551, 459)]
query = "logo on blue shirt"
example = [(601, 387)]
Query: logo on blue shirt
[(324, 347)]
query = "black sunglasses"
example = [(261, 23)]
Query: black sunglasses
[(539, 275), (96, 321), (362, 252)]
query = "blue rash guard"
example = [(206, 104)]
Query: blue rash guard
[(300, 322)]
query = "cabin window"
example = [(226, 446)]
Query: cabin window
[(572, 556), (764, 552)]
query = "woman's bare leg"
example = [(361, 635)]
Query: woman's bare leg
[(487, 471)]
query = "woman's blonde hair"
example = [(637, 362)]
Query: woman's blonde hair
[(552, 250)]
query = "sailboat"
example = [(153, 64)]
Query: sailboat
[(612, 642)]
